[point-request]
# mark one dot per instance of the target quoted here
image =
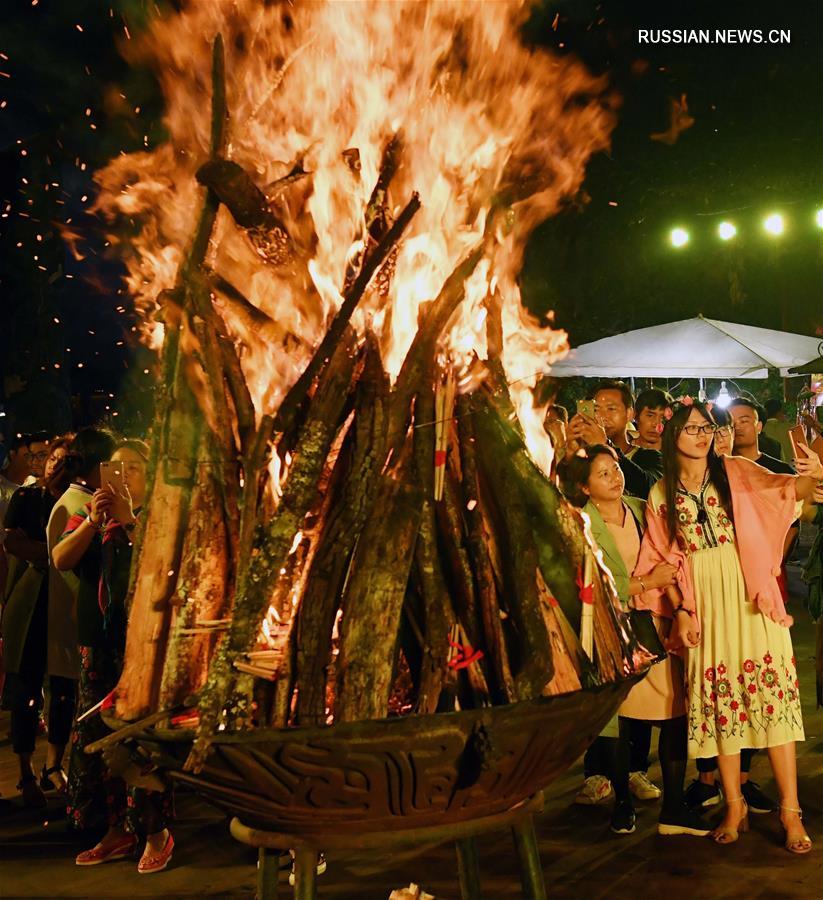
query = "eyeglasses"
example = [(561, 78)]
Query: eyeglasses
[(699, 429), (39, 456)]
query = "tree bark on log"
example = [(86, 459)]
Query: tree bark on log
[(171, 468), (342, 526), (534, 669), (272, 543), (542, 502), (374, 599), (421, 353), (203, 588), (502, 683), (436, 602)]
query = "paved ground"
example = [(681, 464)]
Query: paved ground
[(582, 860)]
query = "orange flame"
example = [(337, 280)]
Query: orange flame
[(489, 132)]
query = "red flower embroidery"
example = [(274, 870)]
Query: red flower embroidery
[(722, 539), (767, 659), (748, 666), (740, 679), (752, 688), (679, 501), (712, 696), (693, 548), (734, 704), (698, 530), (794, 663), (743, 717), (769, 677), (710, 676), (769, 710), (704, 727), (712, 501), (722, 720), (721, 669), (780, 695)]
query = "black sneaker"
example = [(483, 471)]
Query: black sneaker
[(623, 818), (682, 821), (701, 796), (755, 799)]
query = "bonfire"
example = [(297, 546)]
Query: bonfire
[(349, 516)]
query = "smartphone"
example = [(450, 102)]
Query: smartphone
[(798, 436), (585, 408), (111, 474)]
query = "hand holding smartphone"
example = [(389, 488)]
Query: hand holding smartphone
[(111, 477), (585, 408), (798, 436)]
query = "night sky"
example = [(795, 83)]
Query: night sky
[(68, 102)]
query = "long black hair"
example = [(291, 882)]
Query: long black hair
[(671, 467)]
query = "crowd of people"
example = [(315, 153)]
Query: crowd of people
[(695, 510), (695, 513), (68, 520)]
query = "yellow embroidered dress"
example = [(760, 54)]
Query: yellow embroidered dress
[(741, 680)]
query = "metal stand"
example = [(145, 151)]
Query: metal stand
[(306, 847)]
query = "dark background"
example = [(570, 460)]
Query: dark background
[(68, 103)]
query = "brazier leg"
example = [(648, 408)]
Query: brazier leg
[(305, 875), (468, 869), (268, 870), (531, 872)]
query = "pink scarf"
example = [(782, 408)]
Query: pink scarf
[(764, 506)]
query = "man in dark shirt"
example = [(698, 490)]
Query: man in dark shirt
[(650, 416), (747, 429), (614, 411)]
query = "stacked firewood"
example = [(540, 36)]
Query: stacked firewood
[(411, 558)]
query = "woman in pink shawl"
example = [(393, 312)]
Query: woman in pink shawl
[(722, 521)]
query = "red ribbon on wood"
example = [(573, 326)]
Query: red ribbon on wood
[(464, 657), (584, 591), (440, 457)]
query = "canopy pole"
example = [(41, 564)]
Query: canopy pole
[(701, 394)]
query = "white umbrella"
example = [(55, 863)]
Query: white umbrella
[(693, 348)]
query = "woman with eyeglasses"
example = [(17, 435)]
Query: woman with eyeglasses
[(722, 520)]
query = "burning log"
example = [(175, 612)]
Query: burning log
[(362, 457), (271, 545), (355, 551), (171, 467), (294, 399), (374, 597), (203, 586), (490, 612), (232, 185)]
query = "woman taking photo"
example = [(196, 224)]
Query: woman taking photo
[(97, 543), (722, 522), (595, 481)]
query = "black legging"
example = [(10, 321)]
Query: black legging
[(640, 736), (25, 714), (611, 757)]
